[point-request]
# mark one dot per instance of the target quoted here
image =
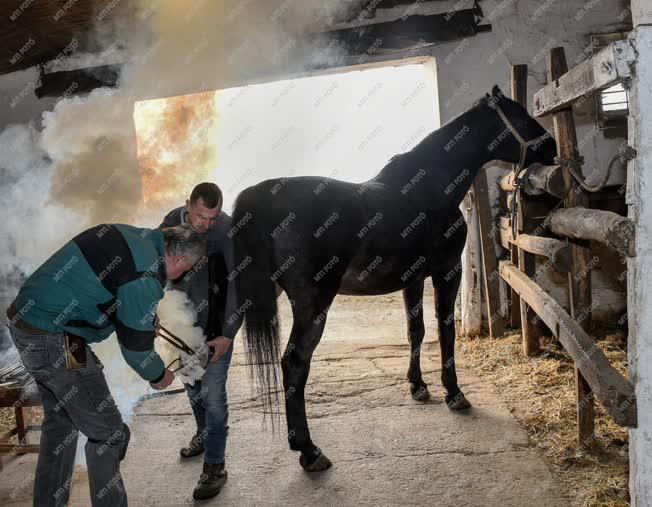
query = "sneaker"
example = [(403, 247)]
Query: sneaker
[(195, 447), (210, 481)]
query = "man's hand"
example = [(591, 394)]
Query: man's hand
[(167, 379), (221, 344)]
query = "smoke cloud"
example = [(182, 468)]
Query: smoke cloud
[(82, 164)]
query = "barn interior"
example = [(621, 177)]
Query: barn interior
[(113, 111)]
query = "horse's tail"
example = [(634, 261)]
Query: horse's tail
[(256, 291)]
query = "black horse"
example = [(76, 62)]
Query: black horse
[(318, 237)]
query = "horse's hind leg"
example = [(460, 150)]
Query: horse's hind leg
[(413, 300), (309, 313)]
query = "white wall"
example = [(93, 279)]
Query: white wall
[(639, 199)]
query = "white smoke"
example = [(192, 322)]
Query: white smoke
[(79, 167), (177, 314)]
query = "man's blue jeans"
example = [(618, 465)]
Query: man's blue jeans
[(211, 409), (73, 401)]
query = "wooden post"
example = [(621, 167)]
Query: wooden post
[(519, 94), (20, 426), (530, 330), (490, 275), (579, 278)]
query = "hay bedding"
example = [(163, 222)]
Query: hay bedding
[(540, 393)]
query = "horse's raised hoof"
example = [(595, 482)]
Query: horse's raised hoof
[(419, 393), (320, 463), (457, 402)]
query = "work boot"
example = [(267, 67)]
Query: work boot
[(195, 447), (210, 481)]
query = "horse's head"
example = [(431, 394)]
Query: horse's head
[(521, 139)]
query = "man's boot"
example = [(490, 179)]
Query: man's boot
[(195, 447), (210, 482)]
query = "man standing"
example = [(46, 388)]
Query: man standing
[(108, 278), (208, 287)]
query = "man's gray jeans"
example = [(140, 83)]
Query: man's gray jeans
[(73, 401)]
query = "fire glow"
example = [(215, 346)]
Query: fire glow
[(176, 143)]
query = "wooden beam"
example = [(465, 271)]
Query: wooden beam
[(78, 81), (35, 32), (606, 227), (505, 231), (612, 390), (557, 251), (538, 179), (579, 277), (19, 397), (400, 34), (606, 68), (490, 275), (21, 432)]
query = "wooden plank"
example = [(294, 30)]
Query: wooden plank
[(607, 227), (490, 263), (606, 68), (18, 448), (557, 251), (11, 396), (612, 390), (579, 277)]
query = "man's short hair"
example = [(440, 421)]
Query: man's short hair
[(184, 240), (209, 193)]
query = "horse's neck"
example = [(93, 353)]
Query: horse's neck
[(451, 157)]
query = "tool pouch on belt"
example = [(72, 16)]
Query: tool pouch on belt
[(75, 351)]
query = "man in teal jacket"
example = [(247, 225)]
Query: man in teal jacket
[(107, 279)]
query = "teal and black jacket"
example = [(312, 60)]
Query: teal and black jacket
[(108, 278)]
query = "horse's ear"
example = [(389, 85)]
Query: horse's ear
[(487, 96), (495, 91)]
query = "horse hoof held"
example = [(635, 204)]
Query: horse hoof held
[(319, 464)]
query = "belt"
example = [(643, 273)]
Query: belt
[(20, 324), (74, 346)]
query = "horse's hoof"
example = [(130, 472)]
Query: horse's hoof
[(320, 463), (457, 402), (419, 393)]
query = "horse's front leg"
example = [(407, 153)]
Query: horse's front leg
[(413, 300), (309, 321)]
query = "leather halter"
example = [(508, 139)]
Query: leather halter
[(524, 144)]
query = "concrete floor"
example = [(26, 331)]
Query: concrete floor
[(386, 448)]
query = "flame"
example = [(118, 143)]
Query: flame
[(176, 145)]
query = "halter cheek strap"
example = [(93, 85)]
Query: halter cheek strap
[(519, 170), (524, 144)]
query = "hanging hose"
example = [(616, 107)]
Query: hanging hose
[(575, 168)]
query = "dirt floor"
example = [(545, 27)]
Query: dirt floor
[(386, 448)]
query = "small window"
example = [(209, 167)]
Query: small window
[(612, 106), (613, 100)]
